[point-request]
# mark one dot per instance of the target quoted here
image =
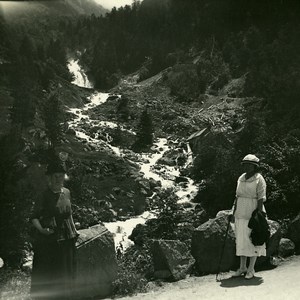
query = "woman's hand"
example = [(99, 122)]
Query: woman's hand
[(231, 218), (46, 231)]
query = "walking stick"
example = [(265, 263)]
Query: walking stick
[(221, 256)]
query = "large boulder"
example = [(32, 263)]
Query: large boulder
[(208, 243), (172, 259), (286, 247), (294, 232), (96, 263)]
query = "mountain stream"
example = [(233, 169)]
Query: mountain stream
[(166, 174)]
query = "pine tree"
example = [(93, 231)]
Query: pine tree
[(144, 136), (24, 92), (53, 117)]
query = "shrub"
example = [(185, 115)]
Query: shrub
[(135, 270)]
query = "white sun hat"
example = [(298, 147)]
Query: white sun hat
[(251, 159)]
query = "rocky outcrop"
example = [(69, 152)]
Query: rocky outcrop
[(172, 259), (286, 247), (207, 245), (96, 263), (293, 232)]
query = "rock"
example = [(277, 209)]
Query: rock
[(172, 259), (181, 179), (145, 193), (286, 247), (138, 234), (96, 263), (166, 161), (293, 231), (273, 244), (77, 225), (116, 190), (27, 266), (222, 213), (153, 183), (201, 217), (71, 131), (112, 97), (1, 263), (207, 245), (113, 212)]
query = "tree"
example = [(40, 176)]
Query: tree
[(54, 118), (24, 92), (144, 137)]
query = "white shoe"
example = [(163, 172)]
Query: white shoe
[(250, 274), (239, 272)]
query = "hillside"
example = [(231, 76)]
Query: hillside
[(28, 12)]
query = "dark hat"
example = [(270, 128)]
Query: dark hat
[(56, 167)]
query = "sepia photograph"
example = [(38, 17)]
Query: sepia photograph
[(149, 149)]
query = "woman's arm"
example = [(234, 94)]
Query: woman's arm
[(36, 223), (260, 204)]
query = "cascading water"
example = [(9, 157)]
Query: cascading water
[(147, 161), (80, 77)]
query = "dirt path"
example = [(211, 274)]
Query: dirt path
[(282, 283)]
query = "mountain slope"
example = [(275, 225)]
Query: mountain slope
[(19, 12)]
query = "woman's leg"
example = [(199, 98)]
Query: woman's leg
[(243, 262), (252, 263), (243, 268), (250, 270)]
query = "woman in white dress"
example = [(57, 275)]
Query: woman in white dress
[(250, 195)]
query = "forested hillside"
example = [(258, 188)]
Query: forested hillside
[(225, 40)]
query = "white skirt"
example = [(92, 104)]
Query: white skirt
[(244, 246)]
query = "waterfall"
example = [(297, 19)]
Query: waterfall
[(80, 77)]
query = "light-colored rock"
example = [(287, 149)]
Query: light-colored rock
[(172, 259), (286, 247), (1, 263), (96, 263), (207, 246)]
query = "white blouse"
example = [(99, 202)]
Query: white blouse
[(248, 192)]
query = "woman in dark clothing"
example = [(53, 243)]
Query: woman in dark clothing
[(54, 247)]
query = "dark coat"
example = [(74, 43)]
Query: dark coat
[(260, 233)]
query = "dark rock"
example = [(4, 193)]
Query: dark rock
[(286, 247), (181, 179), (167, 161), (153, 183), (172, 259), (116, 190), (112, 97), (201, 217), (207, 245), (71, 131), (96, 263), (293, 231), (138, 234)]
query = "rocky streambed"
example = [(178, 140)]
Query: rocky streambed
[(161, 165)]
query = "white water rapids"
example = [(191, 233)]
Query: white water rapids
[(166, 174), (80, 77)]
